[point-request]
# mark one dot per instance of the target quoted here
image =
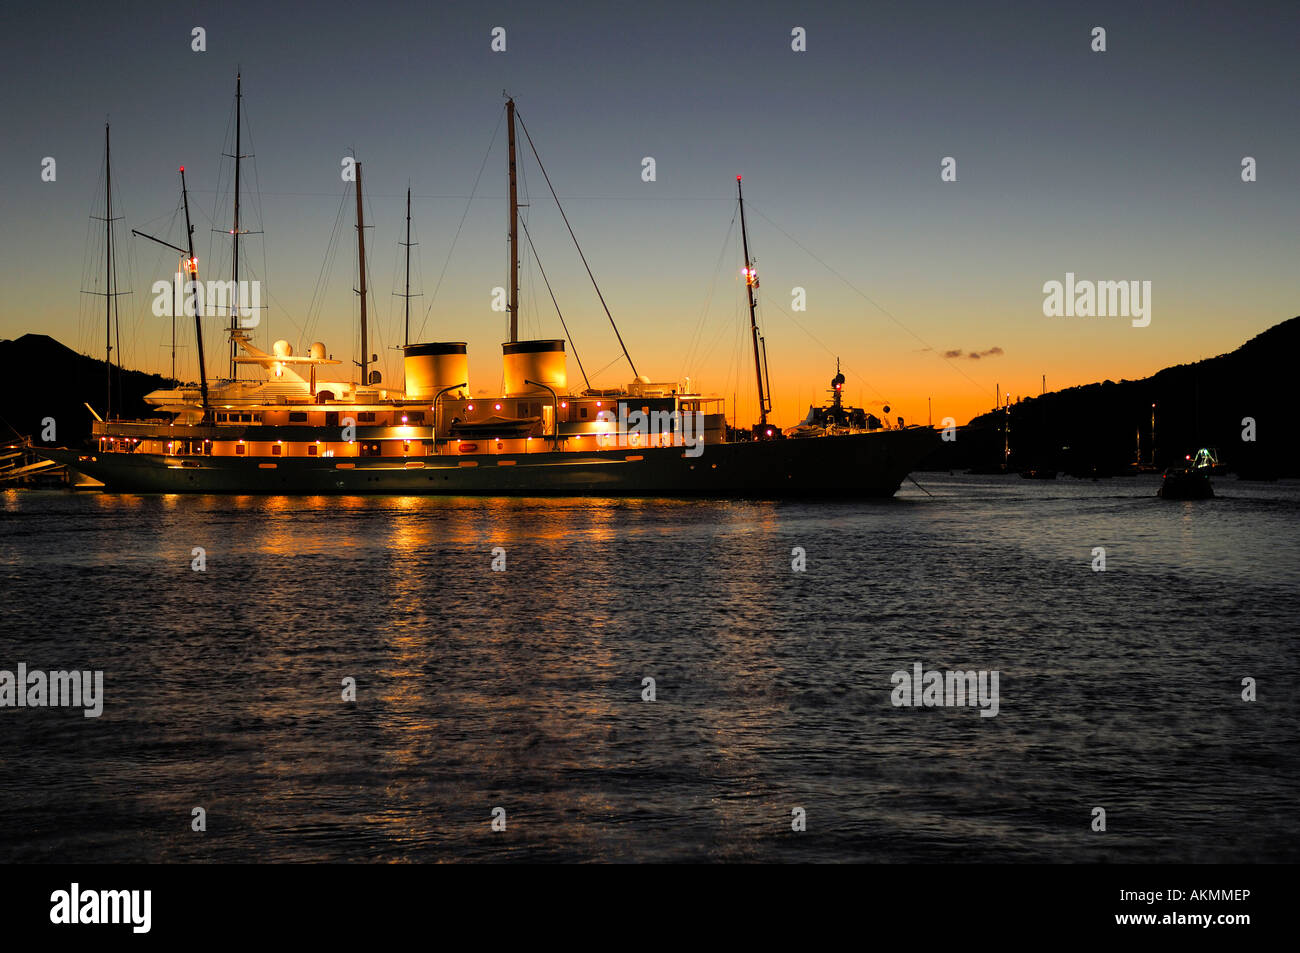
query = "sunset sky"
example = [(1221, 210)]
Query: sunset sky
[(1121, 165)]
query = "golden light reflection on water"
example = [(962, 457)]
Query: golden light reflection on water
[(491, 676)]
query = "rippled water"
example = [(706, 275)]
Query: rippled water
[(522, 689)]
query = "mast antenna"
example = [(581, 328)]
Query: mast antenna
[(110, 292), (408, 244), (361, 266), (192, 266), (234, 232), (512, 304), (751, 282), (108, 274), (406, 323)]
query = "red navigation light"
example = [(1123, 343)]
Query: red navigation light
[(182, 168), (193, 264), (737, 178)]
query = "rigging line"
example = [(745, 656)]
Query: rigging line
[(711, 344), (575, 243), (867, 298), (538, 258), (455, 238), (261, 220), (851, 370), (708, 303), (457, 195), (607, 367), (317, 294)]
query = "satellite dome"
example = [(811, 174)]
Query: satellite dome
[(282, 348), (317, 350)]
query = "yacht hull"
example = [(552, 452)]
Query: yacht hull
[(851, 465)]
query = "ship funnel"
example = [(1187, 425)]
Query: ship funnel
[(431, 367), (541, 361)]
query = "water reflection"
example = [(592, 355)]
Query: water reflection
[(523, 689)]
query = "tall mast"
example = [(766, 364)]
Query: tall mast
[(108, 275), (751, 279), (192, 266), (175, 302), (406, 333), (361, 265), (234, 312), (513, 304), (406, 326)]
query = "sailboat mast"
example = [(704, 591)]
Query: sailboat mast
[(108, 275), (513, 304), (175, 301), (751, 279), (361, 266), (192, 266), (406, 327), (234, 257)]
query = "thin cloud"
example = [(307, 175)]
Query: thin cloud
[(974, 355)]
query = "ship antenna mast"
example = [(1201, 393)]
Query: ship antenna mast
[(110, 292), (108, 276), (513, 304), (406, 333), (361, 266), (406, 325), (751, 282), (234, 232), (192, 266)]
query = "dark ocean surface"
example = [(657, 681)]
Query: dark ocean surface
[(522, 689)]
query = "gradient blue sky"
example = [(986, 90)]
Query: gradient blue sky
[(1118, 165)]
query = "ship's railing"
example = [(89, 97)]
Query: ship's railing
[(146, 428)]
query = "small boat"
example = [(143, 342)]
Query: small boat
[(1190, 481), (1038, 473)]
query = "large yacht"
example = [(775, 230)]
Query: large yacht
[(309, 427)]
